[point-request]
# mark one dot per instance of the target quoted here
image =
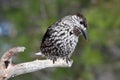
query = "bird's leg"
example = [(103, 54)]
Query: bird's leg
[(54, 59), (67, 59)]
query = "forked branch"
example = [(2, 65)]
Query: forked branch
[(8, 70)]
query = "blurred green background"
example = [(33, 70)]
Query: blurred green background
[(24, 22)]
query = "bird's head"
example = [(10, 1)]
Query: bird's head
[(80, 24)]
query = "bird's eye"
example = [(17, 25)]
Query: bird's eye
[(81, 22)]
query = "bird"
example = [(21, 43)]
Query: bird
[(61, 38)]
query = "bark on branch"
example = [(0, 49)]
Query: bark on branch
[(8, 70)]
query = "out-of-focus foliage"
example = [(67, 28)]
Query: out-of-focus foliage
[(95, 59)]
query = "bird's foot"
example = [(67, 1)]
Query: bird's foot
[(53, 59), (68, 60)]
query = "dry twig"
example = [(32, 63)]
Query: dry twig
[(8, 70)]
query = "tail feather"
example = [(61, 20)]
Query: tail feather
[(39, 54)]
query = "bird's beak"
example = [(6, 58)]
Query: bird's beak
[(84, 33)]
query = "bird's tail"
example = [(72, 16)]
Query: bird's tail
[(39, 54)]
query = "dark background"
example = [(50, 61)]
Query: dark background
[(24, 22)]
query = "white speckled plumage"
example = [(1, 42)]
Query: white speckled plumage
[(61, 38)]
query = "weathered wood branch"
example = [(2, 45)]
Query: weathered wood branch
[(8, 70)]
